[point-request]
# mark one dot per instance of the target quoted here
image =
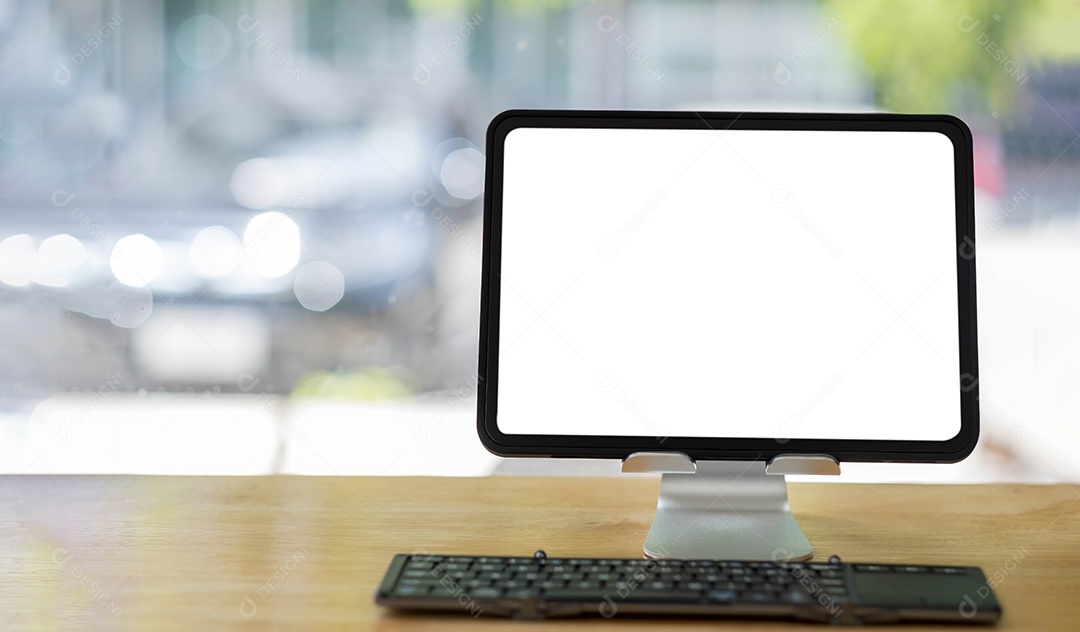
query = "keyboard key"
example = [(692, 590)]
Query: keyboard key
[(671, 595), (760, 596), (419, 565), (486, 593), (419, 581), (722, 596), (568, 594), (798, 597)]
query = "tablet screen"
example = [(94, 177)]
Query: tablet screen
[(740, 283)]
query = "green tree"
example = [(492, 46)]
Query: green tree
[(924, 54)]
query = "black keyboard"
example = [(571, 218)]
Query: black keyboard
[(541, 587)]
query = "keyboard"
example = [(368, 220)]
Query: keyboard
[(540, 587)]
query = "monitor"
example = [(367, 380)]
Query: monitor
[(728, 286)]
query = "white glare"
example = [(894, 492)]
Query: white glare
[(17, 260), (136, 260), (272, 244), (215, 252), (58, 259), (462, 173), (319, 286)]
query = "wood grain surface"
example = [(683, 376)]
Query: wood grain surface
[(306, 553)]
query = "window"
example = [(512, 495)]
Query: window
[(245, 238)]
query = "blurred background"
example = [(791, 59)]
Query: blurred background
[(244, 237)]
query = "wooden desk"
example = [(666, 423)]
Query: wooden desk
[(149, 553)]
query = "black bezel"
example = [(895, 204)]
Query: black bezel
[(593, 446)]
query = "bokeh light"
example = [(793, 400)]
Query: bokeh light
[(215, 252), (271, 244), (58, 260), (17, 260), (257, 183), (202, 41), (319, 286), (462, 173), (136, 260)]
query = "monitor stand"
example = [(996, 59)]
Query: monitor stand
[(733, 510)]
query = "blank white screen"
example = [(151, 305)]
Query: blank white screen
[(743, 283)]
